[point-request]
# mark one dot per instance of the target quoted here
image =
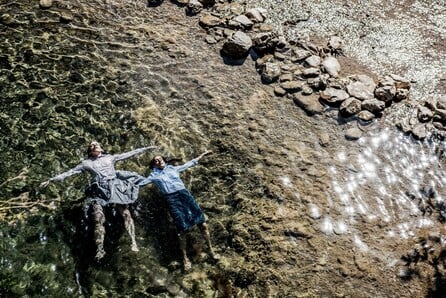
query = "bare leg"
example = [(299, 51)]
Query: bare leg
[(186, 262), (129, 225), (99, 230), (207, 237)]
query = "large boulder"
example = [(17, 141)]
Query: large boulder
[(385, 93), (309, 103), (270, 72), (237, 45), (265, 42), (257, 15), (349, 107), (331, 66), (373, 105), (362, 87), (334, 96), (424, 114), (240, 22)]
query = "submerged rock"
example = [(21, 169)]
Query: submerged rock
[(45, 3)]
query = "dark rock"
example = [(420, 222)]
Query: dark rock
[(207, 3), (401, 94), (385, 93), (265, 42), (350, 106), (373, 105), (270, 72), (238, 45), (424, 114)]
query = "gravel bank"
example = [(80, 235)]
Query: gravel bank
[(404, 37)]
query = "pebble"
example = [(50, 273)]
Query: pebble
[(45, 3)]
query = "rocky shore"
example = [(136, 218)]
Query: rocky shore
[(310, 73)]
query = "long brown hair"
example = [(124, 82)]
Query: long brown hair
[(91, 147)]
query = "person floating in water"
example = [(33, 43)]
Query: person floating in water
[(182, 205), (107, 186)]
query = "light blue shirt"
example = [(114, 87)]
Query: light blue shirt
[(168, 179)]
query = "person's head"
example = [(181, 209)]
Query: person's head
[(94, 149), (160, 162), (157, 162)]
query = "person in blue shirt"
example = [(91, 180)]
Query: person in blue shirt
[(182, 205)]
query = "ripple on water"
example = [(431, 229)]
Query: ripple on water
[(393, 180)]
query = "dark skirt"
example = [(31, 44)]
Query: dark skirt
[(184, 210), (122, 190)]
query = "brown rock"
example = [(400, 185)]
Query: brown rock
[(208, 20), (353, 134), (309, 103)]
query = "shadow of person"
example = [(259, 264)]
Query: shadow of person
[(77, 227), (154, 217), (154, 3)]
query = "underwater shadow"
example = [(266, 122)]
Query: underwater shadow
[(77, 226), (438, 288), (154, 3), (154, 216)]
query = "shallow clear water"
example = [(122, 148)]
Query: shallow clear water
[(118, 74)]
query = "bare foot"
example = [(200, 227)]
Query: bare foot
[(215, 256), (187, 265), (134, 247), (100, 253)]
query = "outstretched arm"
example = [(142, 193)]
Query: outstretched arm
[(129, 154), (192, 162), (77, 170), (146, 181), (207, 152)]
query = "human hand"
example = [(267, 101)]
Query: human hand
[(44, 184), (207, 152)]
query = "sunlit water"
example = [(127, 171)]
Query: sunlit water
[(392, 181)]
